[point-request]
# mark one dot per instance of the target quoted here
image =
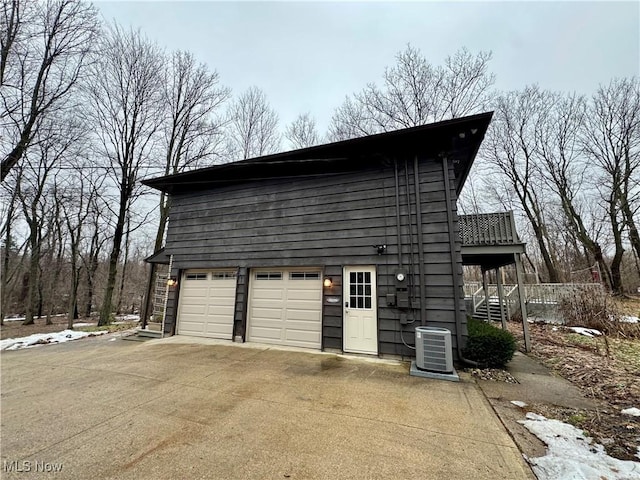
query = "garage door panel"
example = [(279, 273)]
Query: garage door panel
[(312, 317), (305, 295), (207, 304), (268, 293), (193, 309), (302, 335), (194, 326), (285, 309), (267, 313), (266, 334), (196, 292), (226, 294)]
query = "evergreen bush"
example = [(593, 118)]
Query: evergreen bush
[(488, 345)]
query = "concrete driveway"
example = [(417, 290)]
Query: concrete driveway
[(108, 408)]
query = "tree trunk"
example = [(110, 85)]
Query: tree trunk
[(92, 268), (107, 302), (617, 287), (544, 251), (72, 308), (6, 256), (124, 268), (634, 236), (162, 225), (34, 267)]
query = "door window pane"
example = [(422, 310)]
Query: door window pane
[(360, 290)]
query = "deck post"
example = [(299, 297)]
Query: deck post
[(523, 306), (503, 317), (486, 293)]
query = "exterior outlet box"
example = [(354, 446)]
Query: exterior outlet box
[(391, 300), (403, 298), (403, 319)]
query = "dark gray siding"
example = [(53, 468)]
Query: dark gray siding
[(327, 221)]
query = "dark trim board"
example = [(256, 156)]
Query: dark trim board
[(286, 211)]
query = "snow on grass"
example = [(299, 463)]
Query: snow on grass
[(629, 319), (45, 338), (587, 332), (573, 456), (631, 411)]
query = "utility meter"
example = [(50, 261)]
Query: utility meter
[(402, 291)]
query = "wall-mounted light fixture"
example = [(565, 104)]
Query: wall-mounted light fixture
[(328, 282), (172, 282), (380, 249)]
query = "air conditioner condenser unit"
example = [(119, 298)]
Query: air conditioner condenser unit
[(433, 349)]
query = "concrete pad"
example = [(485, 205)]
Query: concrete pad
[(159, 409)]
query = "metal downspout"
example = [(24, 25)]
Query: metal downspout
[(423, 300), (454, 264), (398, 226)]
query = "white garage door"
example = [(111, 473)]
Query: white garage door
[(285, 307), (207, 303)]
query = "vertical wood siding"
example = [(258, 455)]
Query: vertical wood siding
[(327, 221)]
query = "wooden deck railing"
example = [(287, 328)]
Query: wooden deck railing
[(538, 294), (488, 229)]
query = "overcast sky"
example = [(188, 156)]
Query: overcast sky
[(308, 56)]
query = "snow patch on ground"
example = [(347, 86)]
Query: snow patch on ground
[(573, 456), (587, 332), (631, 411), (45, 338), (629, 319), (518, 403), (127, 318)]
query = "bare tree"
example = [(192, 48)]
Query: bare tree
[(125, 101), (563, 166), (90, 254), (415, 92), (11, 249), (611, 139), (302, 132), (77, 196), (253, 125), (511, 148), (193, 130), (37, 190), (44, 47)]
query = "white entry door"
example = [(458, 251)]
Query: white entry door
[(360, 332)]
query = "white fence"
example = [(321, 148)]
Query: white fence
[(536, 295)]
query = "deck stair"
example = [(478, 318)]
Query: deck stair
[(481, 311)]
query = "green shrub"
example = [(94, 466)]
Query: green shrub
[(488, 345)]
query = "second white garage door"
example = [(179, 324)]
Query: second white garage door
[(285, 307)]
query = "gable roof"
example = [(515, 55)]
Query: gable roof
[(459, 139)]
